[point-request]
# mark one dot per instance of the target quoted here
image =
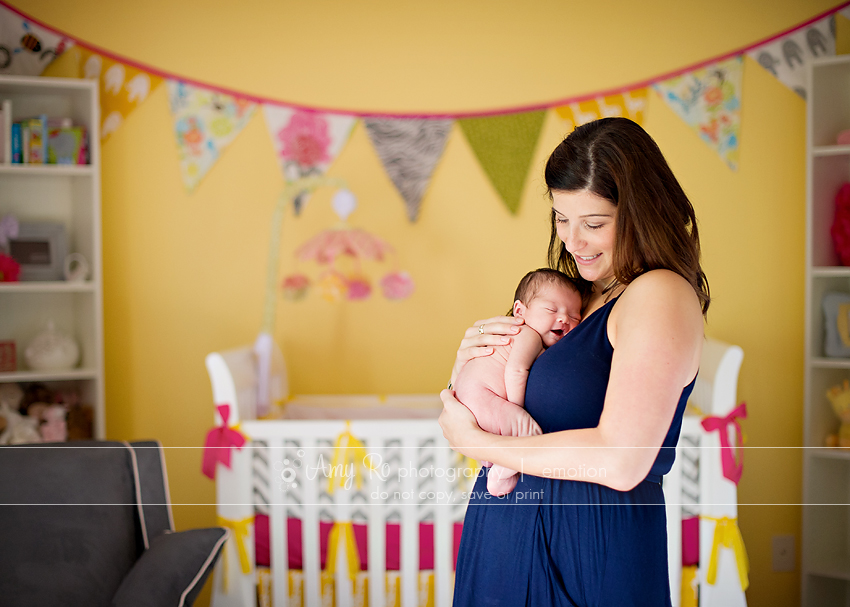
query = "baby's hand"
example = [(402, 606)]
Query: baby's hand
[(516, 421)]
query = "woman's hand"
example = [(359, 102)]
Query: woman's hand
[(458, 424), (481, 337)]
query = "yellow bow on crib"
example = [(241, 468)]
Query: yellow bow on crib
[(346, 529), (240, 531), (349, 455), (728, 535)]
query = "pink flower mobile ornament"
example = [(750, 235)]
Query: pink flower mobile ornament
[(397, 285), (358, 288), (328, 246), (334, 286), (295, 287)]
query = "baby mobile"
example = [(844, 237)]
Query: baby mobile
[(306, 144), (328, 248)]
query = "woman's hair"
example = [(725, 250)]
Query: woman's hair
[(615, 159), (532, 282)]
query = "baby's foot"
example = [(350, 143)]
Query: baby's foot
[(501, 480)]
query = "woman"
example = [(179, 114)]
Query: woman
[(586, 523)]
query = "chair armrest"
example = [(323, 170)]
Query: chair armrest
[(173, 570)]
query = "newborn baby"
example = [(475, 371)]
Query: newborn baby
[(493, 387)]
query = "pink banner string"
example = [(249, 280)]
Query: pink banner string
[(732, 469), (219, 443), (426, 115)]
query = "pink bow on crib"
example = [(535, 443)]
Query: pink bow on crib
[(219, 442), (731, 469)]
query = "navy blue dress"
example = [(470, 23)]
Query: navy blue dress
[(564, 542)]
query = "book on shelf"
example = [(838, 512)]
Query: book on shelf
[(37, 139), (6, 126), (41, 139), (17, 144)]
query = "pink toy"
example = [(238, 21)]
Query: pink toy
[(841, 224), (54, 429), (843, 138)]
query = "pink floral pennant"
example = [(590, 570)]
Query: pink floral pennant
[(306, 143)]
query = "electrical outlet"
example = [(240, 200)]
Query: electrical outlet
[(784, 557)]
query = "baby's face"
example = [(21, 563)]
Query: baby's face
[(553, 312)]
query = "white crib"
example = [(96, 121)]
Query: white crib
[(403, 433)]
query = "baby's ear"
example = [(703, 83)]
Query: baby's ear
[(519, 309)]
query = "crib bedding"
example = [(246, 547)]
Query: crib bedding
[(360, 589), (393, 543)]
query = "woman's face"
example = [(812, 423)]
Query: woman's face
[(586, 225)]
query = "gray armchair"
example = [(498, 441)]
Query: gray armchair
[(89, 523)]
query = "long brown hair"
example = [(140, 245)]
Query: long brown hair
[(615, 159)]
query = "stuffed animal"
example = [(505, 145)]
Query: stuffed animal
[(54, 429), (36, 393), (839, 397), (50, 421), (11, 395), (19, 429)]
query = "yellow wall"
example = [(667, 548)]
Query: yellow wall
[(183, 274)]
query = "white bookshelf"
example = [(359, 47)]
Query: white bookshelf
[(68, 194), (826, 472)]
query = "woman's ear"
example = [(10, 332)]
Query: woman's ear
[(519, 309)]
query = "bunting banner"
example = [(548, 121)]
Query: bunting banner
[(307, 140), (306, 143), (709, 101), (788, 58), (409, 149), (504, 146), (122, 87), (629, 104), (205, 122), (25, 47)]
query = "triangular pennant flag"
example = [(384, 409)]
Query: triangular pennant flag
[(709, 101), (629, 104), (122, 87), (26, 48), (504, 145), (788, 58), (306, 143), (205, 122), (409, 150)]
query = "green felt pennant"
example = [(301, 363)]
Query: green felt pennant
[(504, 145)]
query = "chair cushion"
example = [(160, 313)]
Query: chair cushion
[(173, 570), (154, 487), (70, 522)]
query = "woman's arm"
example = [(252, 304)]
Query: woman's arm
[(657, 331), (497, 332)]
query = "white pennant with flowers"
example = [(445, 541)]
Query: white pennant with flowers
[(306, 143)]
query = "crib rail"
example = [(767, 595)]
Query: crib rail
[(409, 445), (313, 473)]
